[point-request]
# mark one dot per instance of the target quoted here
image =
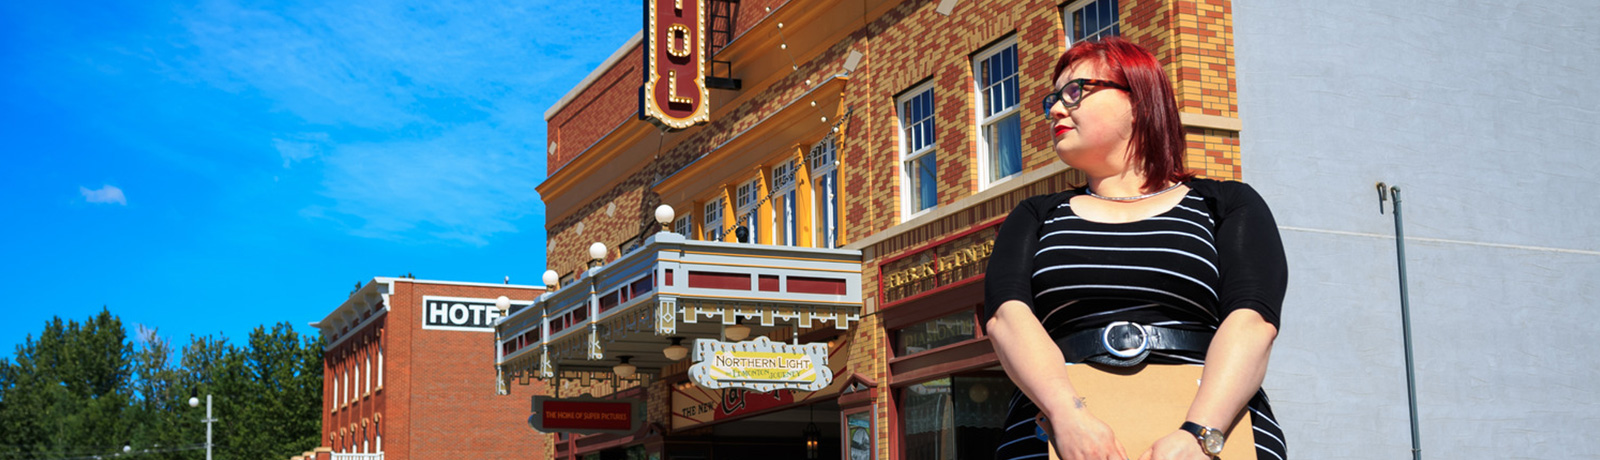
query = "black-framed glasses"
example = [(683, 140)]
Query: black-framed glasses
[(1074, 91)]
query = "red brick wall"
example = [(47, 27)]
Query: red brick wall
[(438, 398)]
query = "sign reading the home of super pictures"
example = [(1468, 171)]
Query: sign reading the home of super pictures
[(674, 93), (461, 314), (586, 415), (761, 365)]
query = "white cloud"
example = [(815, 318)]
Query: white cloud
[(300, 149), (105, 194)]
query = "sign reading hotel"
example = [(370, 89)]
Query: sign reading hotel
[(761, 365), (461, 314), (586, 415), (674, 93)]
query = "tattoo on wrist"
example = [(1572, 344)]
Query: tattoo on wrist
[(1080, 402)]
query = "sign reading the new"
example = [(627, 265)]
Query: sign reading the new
[(586, 415), (674, 93), (761, 365), (461, 314)]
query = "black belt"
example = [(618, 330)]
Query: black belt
[(1125, 344)]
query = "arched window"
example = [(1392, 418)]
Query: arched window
[(380, 365)]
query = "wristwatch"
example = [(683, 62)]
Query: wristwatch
[(1211, 439)]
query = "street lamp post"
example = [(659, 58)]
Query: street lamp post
[(195, 402)]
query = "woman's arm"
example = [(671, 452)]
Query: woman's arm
[(1254, 279), (1236, 363), (1034, 363), (1025, 349)]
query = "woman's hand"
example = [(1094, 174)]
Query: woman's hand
[(1082, 436), (1179, 445)]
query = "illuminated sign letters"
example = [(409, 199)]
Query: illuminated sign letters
[(761, 365), (674, 93)]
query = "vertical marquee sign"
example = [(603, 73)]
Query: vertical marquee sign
[(674, 93)]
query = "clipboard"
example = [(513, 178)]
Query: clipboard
[(1146, 402)]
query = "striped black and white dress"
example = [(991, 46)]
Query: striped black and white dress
[(1215, 252)]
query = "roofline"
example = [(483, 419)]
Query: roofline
[(616, 57)]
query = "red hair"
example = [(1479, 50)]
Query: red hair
[(1158, 140)]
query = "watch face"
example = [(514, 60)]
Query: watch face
[(1212, 441)]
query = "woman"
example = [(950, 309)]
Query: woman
[(1145, 252)]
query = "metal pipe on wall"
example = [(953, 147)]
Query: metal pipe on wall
[(1405, 312)]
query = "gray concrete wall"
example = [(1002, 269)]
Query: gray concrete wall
[(1487, 115)]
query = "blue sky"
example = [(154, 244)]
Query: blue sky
[(204, 168)]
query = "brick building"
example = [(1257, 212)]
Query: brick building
[(889, 136), (409, 374)]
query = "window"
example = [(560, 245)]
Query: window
[(955, 417), (825, 192), (713, 220), (748, 200), (368, 377), (380, 366), (682, 226), (783, 200), (858, 434), (999, 120), (1091, 19), (336, 392), (919, 169), (936, 333)]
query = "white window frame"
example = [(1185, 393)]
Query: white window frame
[(380, 365), (785, 180), (1111, 30), (907, 155), (368, 377), (684, 226), (336, 394), (748, 197), (985, 164), (823, 159), (711, 227)]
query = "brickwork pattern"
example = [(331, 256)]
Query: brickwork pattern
[(909, 45), (1194, 41), (438, 396)]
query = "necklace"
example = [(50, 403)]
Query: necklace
[(1131, 198)]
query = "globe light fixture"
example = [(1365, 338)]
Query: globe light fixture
[(623, 369), (664, 216), (550, 279), (503, 303), (676, 351), (194, 401), (597, 253), (737, 331)]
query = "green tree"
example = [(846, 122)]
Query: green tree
[(67, 392), (81, 390)]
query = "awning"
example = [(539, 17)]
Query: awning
[(676, 287)]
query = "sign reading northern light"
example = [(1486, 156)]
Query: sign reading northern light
[(461, 314), (761, 365)]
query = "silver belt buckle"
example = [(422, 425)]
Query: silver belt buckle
[(1144, 340)]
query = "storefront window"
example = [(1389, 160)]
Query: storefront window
[(936, 333), (956, 417), (859, 436)]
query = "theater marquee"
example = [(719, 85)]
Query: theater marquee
[(761, 365), (674, 93)]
